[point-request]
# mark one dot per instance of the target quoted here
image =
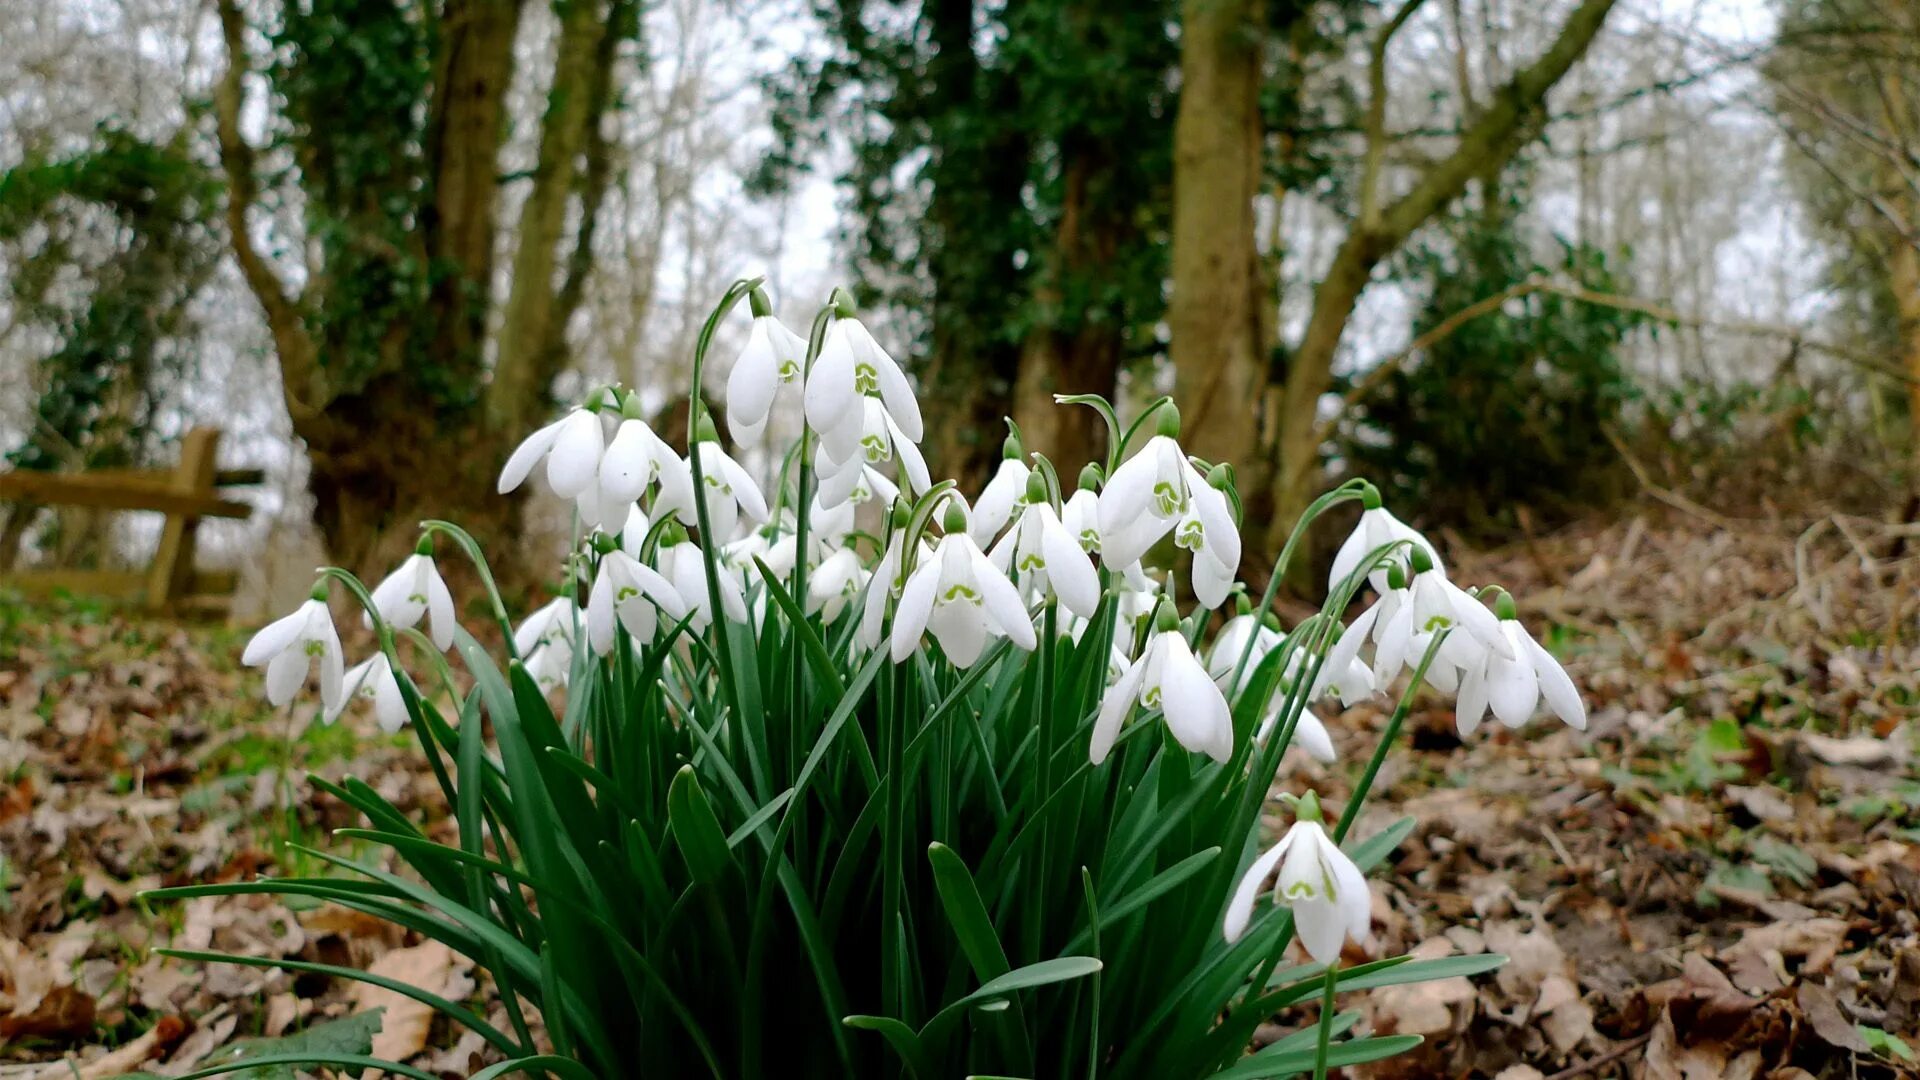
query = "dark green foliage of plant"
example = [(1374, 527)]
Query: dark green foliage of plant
[(1511, 410), (133, 220)]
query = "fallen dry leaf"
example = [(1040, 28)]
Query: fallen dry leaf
[(403, 1030)]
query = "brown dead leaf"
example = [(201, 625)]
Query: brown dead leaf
[(1424, 1008), (1759, 958), (1823, 1014), (63, 1014), (403, 1029)]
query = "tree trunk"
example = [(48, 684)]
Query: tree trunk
[(1220, 361), (1501, 128), (524, 367), (1903, 270)]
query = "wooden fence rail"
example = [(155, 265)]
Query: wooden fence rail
[(185, 494)]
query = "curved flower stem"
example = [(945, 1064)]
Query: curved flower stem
[(1325, 1038), (1343, 493), (468, 545), (1351, 812), (709, 543)]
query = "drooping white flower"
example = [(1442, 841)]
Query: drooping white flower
[(571, 447), (288, 646), (1045, 559), (1158, 490), (372, 680), (681, 563), (551, 663), (1168, 677), (833, 584), (960, 597), (413, 591), (852, 366), (853, 484), (886, 583), (1514, 688), (769, 365), (731, 493), (1137, 592), (1081, 516), (628, 591), (1376, 529), (1003, 494), (1433, 604), (636, 458), (1231, 643), (1327, 892), (875, 439), (545, 640), (1309, 732)]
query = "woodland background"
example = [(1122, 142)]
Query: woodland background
[(1619, 299)]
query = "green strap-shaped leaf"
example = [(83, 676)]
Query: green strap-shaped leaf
[(697, 830), (967, 913)]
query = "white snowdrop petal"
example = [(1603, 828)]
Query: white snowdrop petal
[(528, 454), (1240, 907), (574, 463)]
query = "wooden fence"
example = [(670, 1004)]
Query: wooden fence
[(192, 490)]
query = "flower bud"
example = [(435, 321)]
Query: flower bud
[(1165, 618), (1036, 488), (1421, 558), (954, 520), (758, 302), (630, 407), (1220, 477), (1307, 808), (1396, 575), (704, 431), (603, 544), (1369, 496), (319, 591), (425, 546), (843, 307), (901, 513), (1168, 422), (1503, 606), (1090, 476)]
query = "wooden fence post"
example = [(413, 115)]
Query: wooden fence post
[(171, 575)]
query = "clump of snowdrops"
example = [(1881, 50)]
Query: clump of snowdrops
[(850, 776)]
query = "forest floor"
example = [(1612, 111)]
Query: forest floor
[(1720, 878)]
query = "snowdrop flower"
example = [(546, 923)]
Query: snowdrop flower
[(855, 484), (552, 622), (960, 597), (1168, 677), (628, 591), (288, 646), (828, 528), (1309, 732), (1002, 496), (1081, 516), (415, 590), (1513, 688), (834, 583), (874, 438), (682, 564), (888, 579), (851, 367), (1232, 641), (372, 680), (1158, 490), (636, 458), (1043, 555), (1433, 604), (1326, 891), (1376, 529), (1138, 593), (730, 490), (776, 551), (551, 664), (571, 445), (769, 365)]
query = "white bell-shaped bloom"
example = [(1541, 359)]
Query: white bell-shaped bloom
[(833, 584), (1002, 496), (628, 591), (1513, 689), (1081, 516), (571, 446), (1168, 677), (877, 438), (413, 591), (886, 583), (1309, 732), (855, 484), (287, 648), (1136, 591), (372, 680), (768, 366), (1376, 529), (551, 663), (551, 622), (828, 528), (1433, 604), (1045, 559), (1232, 642), (1327, 892), (851, 367), (636, 458), (731, 493), (1156, 491), (682, 564), (960, 597)]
